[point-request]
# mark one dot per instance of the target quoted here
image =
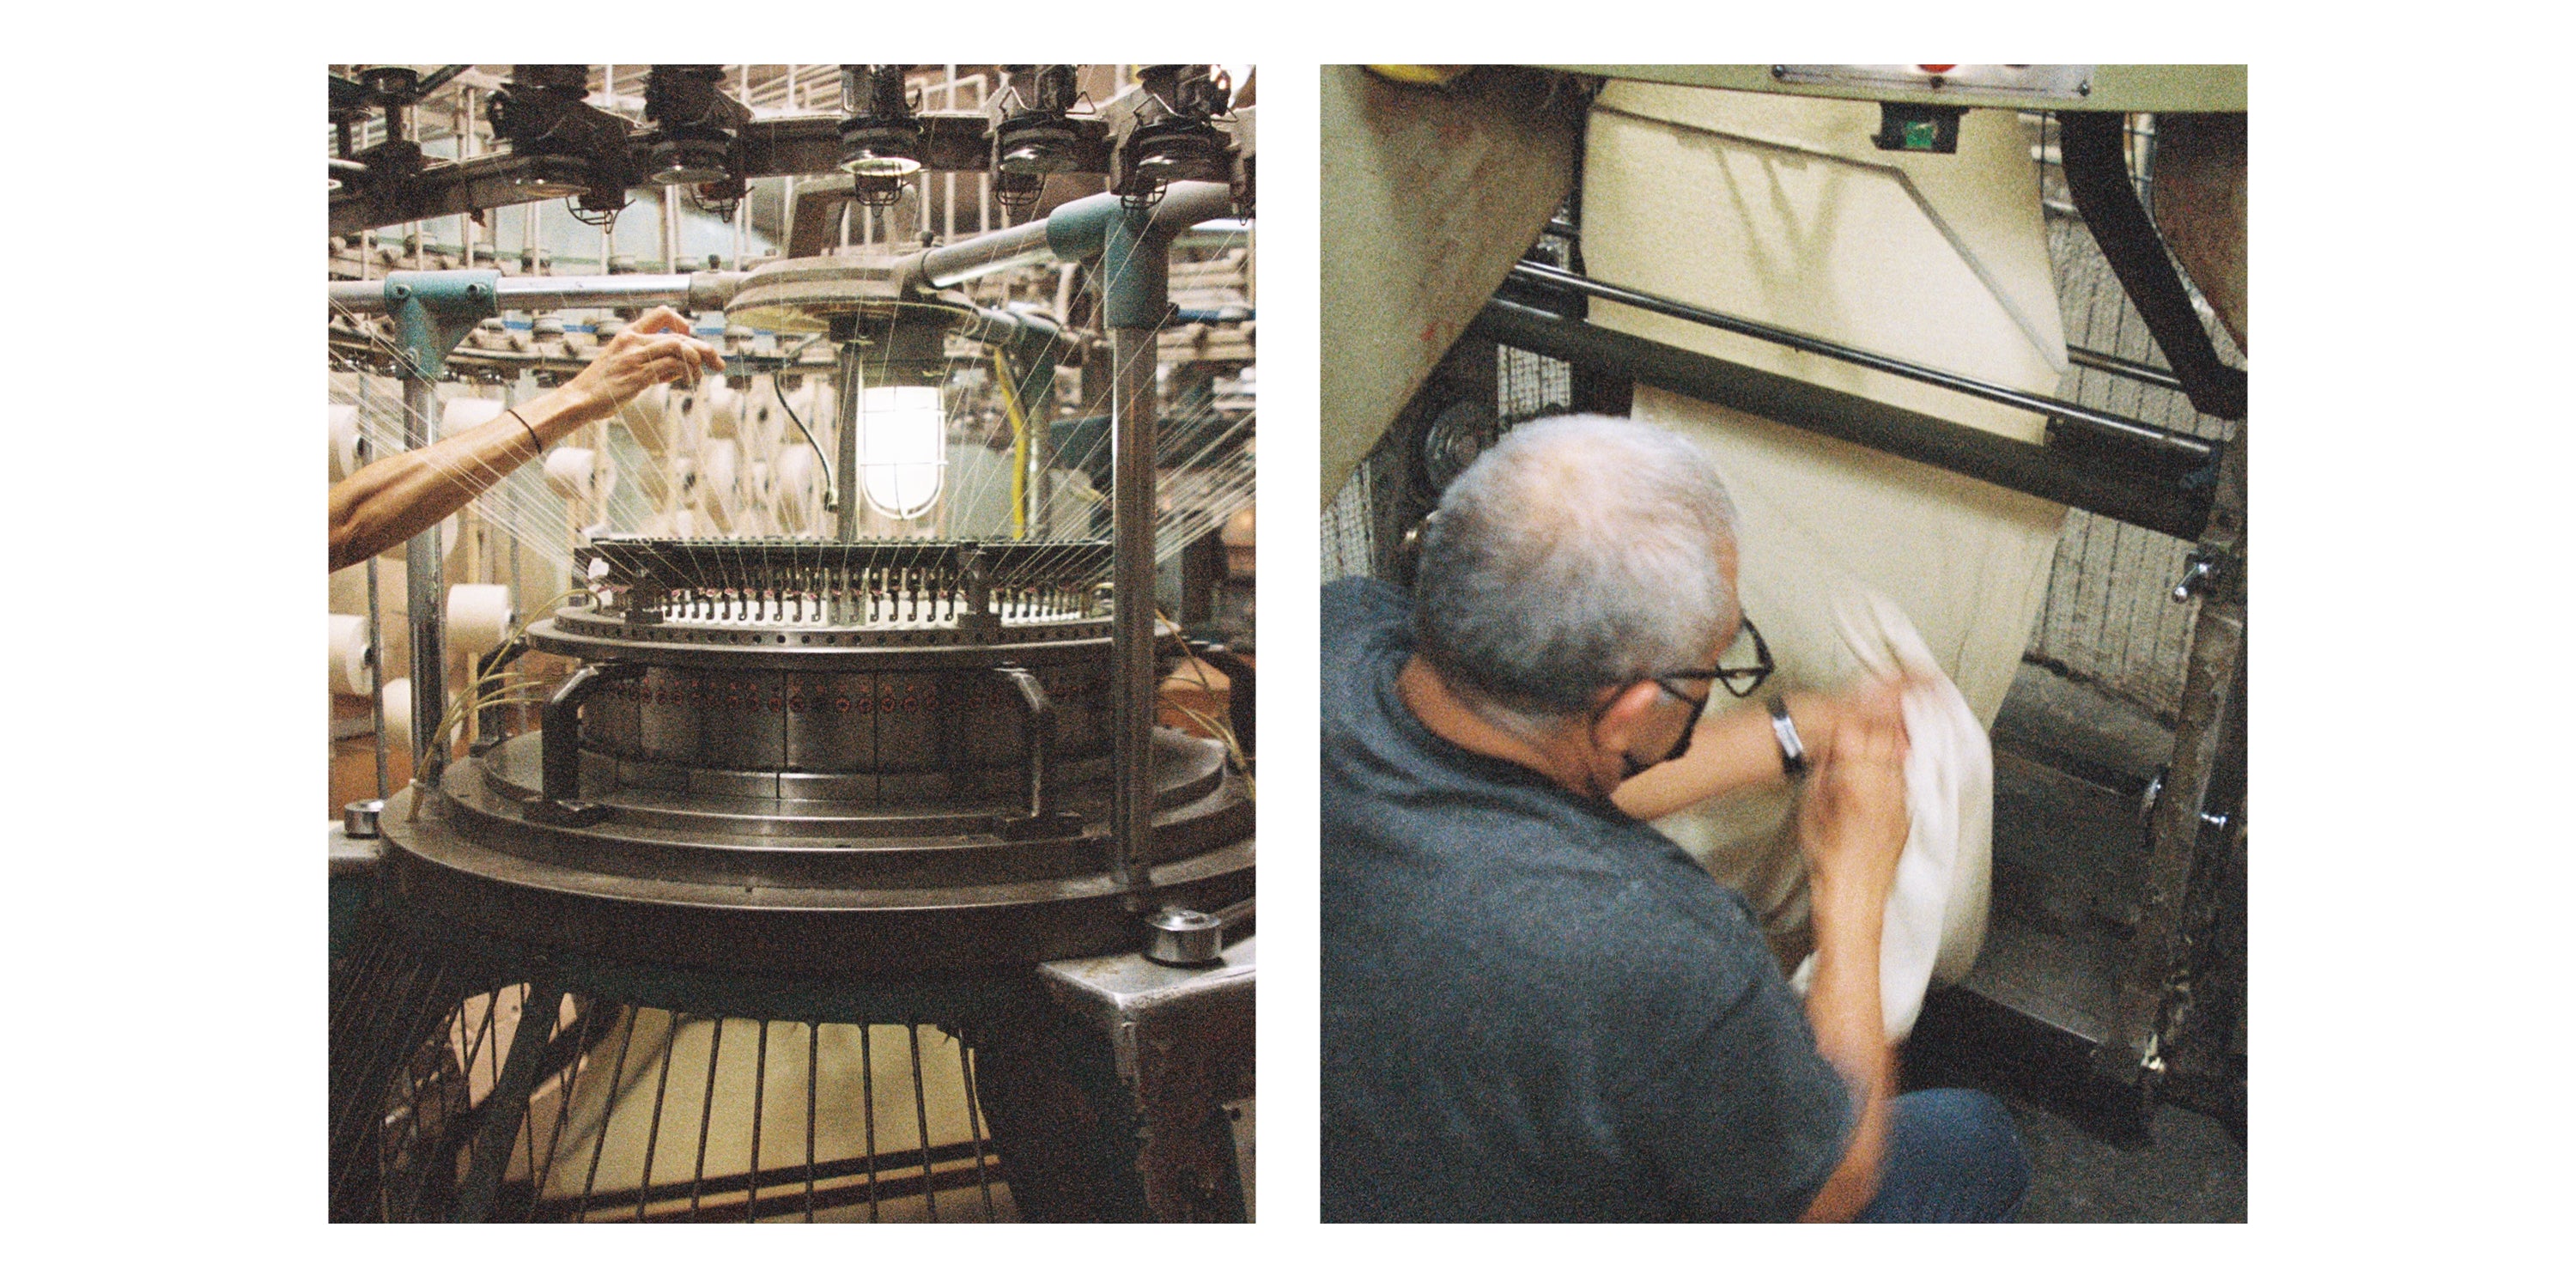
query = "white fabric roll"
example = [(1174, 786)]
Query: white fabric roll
[(398, 713), (714, 407), (684, 424), (461, 414), (798, 488), (348, 450), (352, 654), (479, 617), (757, 515), (724, 409), (1936, 910), (580, 474), (647, 418), (764, 427), (716, 481)]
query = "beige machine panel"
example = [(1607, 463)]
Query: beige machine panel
[(1780, 210)]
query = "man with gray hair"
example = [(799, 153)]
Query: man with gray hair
[(1536, 1007)]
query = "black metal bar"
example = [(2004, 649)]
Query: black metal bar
[(2184, 448), (706, 1115), (2097, 176), (2138, 371), (616, 1076), (975, 1122), (1240, 704), (2156, 502), (868, 1102), (436, 1159), (559, 775), (382, 1044), (563, 1109), (653, 1131), (921, 1113), (1037, 757), (813, 1049), (525, 1109), (506, 1104), (364, 1045), (759, 1087)]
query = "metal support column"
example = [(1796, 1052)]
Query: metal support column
[(2183, 815), (1133, 354), (1135, 272), (431, 312), (424, 572), (847, 380), (376, 678)]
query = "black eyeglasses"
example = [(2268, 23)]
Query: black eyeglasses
[(1739, 680), (1750, 677)]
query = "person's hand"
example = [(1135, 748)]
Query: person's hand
[(656, 349), (1853, 822)]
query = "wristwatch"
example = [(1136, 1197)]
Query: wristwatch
[(1793, 753)]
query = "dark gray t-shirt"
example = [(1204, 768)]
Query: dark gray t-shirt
[(1536, 1008)]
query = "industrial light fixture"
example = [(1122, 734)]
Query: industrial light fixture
[(891, 341), (566, 147), (547, 176), (391, 163), (1174, 136), (881, 138), (903, 449), (348, 107), (901, 421), (696, 123), (1039, 138)]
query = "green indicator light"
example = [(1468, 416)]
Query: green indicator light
[(1918, 136)]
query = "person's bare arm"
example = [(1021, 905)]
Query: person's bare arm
[(390, 501), (1853, 826), (1737, 750)]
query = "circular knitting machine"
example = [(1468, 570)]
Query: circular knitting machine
[(825, 803), (820, 884), (791, 757)]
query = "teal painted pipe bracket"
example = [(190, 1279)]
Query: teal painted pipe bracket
[(434, 311), (1136, 268), (1076, 230)]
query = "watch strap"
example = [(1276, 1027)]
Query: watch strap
[(1793, 751)]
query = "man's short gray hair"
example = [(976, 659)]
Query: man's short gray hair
[(1576, 553)]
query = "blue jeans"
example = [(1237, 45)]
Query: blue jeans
[(1952, 1155)]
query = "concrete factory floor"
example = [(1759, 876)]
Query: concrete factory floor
[(2068, 762)]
